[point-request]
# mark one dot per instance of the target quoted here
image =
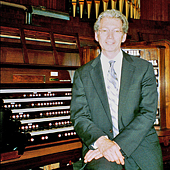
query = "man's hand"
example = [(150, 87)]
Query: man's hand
[(92, 154), (110, 150)]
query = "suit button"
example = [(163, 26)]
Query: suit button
[(111, 131)]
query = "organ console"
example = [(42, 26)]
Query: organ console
[(42, 115), (38, 102)]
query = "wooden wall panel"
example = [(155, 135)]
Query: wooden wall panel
[(169, 11), (148, 28), (156, 10), (49, 4), (40, 57), (11, 55), (15, 55)]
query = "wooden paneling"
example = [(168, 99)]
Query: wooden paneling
[(11, 55), (14, 55), (49, 4), (156, 10), (38, 48), (34, 76), (90, 53), (147, 30), (152, 26), (169, 12)]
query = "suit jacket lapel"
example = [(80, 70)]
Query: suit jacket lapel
[(126, 79), (98, 81)]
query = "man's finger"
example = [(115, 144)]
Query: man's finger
[(121, 158), (113, 154), (92, 154), (89, 156)]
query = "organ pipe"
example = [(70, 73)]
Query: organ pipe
[(132, 7)]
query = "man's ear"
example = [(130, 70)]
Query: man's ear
[(124, 37), (96, 36)]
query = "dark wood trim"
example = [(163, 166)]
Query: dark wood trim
[(38, 47), (38, 28), (24, 48), (162, 89), (56, 60), (79, 48), (35, 66)]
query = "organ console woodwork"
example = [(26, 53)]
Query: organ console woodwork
[(35, 94), (39, 101)]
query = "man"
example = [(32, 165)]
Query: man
[(114, 103)]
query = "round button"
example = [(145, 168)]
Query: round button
[(111, 131)]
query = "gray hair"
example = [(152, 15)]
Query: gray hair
[(113, 14)]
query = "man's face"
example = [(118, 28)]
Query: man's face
[(110, 35)]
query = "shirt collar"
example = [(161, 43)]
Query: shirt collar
[(118, 58)]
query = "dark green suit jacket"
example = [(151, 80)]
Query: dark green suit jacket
[(137, 108)]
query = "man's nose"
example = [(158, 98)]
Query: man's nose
[(110, 34)]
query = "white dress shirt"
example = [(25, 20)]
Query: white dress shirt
[(117, 66)]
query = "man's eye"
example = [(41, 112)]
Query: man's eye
[(104, 30), (116, 30)]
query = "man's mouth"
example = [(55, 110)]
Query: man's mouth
[(109, 42)]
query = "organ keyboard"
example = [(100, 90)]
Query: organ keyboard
[(43, 114), (41, 111)]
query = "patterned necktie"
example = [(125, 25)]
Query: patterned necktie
[(113, 96)]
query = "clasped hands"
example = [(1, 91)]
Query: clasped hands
[(106, 148)]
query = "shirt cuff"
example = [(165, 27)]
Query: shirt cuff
[(94, 146)]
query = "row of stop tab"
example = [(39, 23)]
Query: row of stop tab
[(38, 104), (20, 116)]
